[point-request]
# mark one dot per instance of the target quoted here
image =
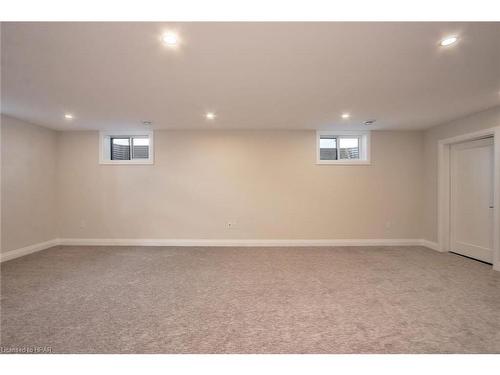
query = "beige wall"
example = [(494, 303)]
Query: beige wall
[(482, 120), (266, 182), (28, 184)]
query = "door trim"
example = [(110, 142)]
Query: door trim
[(444, 175)]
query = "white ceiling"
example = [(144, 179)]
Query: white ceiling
[(253, 75)]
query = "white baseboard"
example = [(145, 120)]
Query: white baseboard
[(211, 242), (12, 254), (430, 244), (236, 242)]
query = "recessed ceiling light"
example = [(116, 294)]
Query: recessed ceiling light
[(170, 39), (147, 123), (369, 122), (346, 115), (68, 116), (210, 115), (448, 41)]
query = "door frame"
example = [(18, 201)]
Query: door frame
[(444, 196)]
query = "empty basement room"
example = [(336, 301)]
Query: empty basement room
[(186, 188)]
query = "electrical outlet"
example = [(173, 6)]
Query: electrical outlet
[(83, 224), (230, 225), (388, 226)]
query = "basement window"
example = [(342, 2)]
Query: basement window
[(343, 147), (129, 147)]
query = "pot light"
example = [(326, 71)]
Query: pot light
[(346, 115), (448, 41), (68, 116), (170, 39), (147, 123), (210, 115)]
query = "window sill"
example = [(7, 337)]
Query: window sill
[(126, 162), (343, 162)]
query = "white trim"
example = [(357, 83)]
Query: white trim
[(12, 254), (127, 162), (211, 242), (236, 242), (444, 189), (496, 200), (430, 244), (343, 162), (104, 149), (364, 147)]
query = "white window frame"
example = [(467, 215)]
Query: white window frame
[(105, 146), (364, 146)]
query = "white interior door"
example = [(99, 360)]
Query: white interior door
[(472, 199)]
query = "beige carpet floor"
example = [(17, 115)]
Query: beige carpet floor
[(250, 300)]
